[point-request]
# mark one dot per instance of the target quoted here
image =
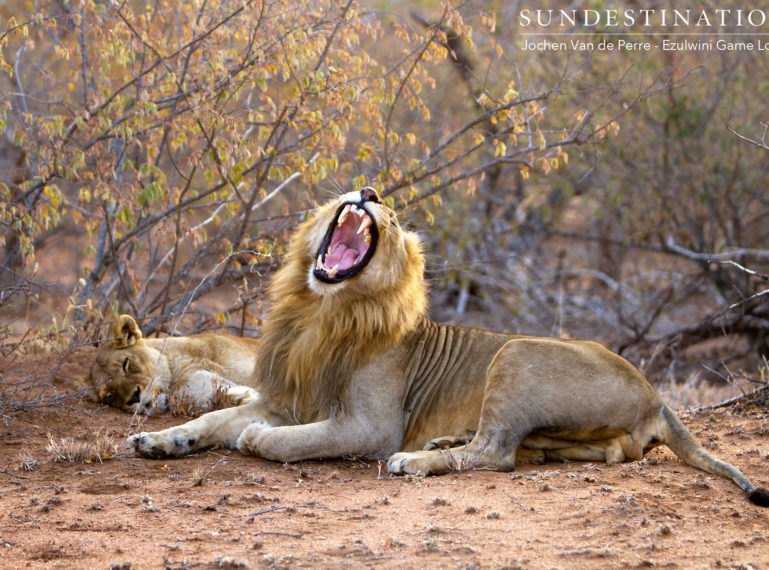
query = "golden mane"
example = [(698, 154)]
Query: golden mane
[(311, 343)]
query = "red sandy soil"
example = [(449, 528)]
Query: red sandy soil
[(221, 509)]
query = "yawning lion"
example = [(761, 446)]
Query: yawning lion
[(349, 365)]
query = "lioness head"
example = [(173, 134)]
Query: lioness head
[(120, 375)]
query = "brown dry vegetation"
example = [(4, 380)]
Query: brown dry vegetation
[(600, 195)]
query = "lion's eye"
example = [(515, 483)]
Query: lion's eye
[(125, 365), (135, 397)]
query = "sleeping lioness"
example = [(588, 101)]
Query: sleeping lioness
[(348, 364), (138, 375)]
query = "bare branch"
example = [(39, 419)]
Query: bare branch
[(760, 143), (671, 245)]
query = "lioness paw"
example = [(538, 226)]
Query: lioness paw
[(241, 395)]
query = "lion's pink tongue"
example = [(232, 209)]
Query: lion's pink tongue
[(343, 256), (347, 246)]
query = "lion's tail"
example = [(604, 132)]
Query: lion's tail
[(686, 447)]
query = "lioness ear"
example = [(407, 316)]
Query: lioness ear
[(126, 332)]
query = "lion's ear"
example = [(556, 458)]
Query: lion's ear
[(126, 332)]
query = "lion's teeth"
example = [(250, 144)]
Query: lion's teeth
[(368, 237), (343, 215), (364, 225), (319, 264), (331, 272)]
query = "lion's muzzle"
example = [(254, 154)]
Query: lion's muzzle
[(350, 240)]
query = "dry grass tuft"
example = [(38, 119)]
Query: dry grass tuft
[(27, 462), (219, 399), (67, 450), (254, 478), (695, 392), (182, 404), (198, 476), (740, 392)]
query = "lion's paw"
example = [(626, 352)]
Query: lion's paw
[(248, 442), (156, 445), (403, 463)]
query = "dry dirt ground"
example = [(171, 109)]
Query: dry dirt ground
[(222, 510)]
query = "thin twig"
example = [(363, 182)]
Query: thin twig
[(13, 475), (291, 534), (759, 143)]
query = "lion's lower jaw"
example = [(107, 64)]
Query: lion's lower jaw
[(322, 289)]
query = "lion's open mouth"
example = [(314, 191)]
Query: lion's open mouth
[(348, 246)]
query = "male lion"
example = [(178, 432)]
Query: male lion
[(137, 374), (349, 365)]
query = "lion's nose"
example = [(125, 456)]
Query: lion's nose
[(368, 194)]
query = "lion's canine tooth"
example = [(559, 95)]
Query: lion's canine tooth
[(319, 264), (365, 223), (343, 215), (331, 272)]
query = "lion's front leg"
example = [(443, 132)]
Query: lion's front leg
[(371, 425), (220, 428), (335, 437)]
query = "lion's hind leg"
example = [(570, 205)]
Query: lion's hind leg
[(613, 450), (584, 452), (448, 441), (480, 453)]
